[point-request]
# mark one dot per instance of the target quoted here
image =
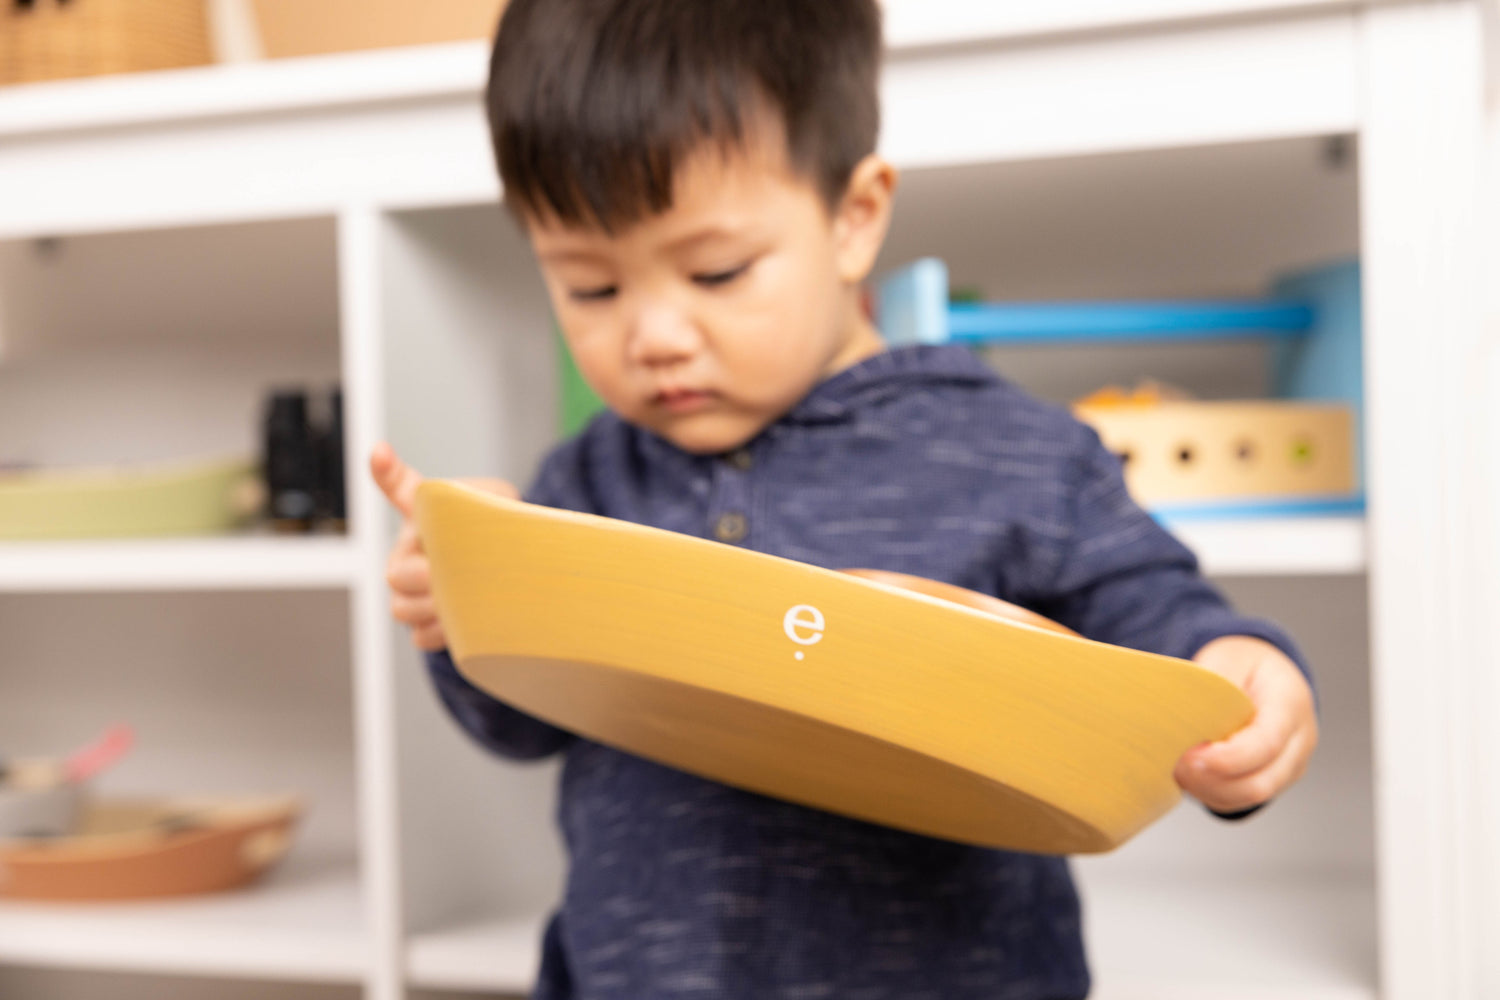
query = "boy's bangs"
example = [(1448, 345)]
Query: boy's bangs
[(609, 160)]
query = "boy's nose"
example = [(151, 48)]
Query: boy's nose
[(663, 336)]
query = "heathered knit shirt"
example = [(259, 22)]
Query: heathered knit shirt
[(920, 460)]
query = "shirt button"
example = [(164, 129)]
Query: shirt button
[(740, 459), (731, 528)]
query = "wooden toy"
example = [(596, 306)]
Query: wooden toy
[(1194, 450), (140, 850), (896, 706), (178, 499)]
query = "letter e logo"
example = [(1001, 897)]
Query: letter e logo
[(803, 625)]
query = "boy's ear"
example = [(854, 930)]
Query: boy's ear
[(863, 217)]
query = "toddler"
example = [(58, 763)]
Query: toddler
[(699, 184)]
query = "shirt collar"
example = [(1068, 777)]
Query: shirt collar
[(884, 374)]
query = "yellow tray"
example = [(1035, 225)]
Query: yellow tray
[(815, 686)]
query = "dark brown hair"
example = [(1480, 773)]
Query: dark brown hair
[(593, 103)]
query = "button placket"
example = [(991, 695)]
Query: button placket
[(729, 521), (739, 459), (731, 527)]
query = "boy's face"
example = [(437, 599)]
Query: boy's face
[(706, 323)]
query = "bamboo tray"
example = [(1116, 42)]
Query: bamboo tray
[(813, 686), (148, 849)]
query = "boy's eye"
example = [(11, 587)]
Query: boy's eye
[(599, 294), (713, 279)]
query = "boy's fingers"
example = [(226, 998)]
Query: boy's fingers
[(1250, 749), (1235, 794), (429, 639), (411, 577), (418, 612), (397, 480)]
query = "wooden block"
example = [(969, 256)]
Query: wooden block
[(1225, 450), (814, 686)]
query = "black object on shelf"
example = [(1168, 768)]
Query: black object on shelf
[(290, 462), (330, 486)]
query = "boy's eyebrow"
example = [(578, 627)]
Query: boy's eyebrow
[(708, 234), (571, 257)]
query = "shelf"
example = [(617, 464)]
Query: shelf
[(287, 85), (488, 954), (1302, 546), (291, 127), (1285, 938), (304, 924), (1158, 940), (914, 23), (426, 72), (242, 563)]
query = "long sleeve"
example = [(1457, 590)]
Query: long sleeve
[(1123, 579), (494, 725), (1127, 581)]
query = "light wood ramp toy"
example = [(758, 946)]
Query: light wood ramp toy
[(129, 849), (814, 686)]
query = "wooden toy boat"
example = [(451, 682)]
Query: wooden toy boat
[(852, 695), (139, 850)]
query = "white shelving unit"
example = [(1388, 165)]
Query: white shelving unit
[(249, 563), (302, 925), (188, 239), (1321, 546), (494, 955)]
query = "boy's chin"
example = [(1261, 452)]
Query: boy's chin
[(708, 434)]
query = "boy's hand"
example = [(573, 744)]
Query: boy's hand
[(1256, 764), (407, 571)]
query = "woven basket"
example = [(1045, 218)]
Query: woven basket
[(54, 39)]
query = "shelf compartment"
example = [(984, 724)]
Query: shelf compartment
[(1283, 938), (1292, 546), (304, 923), (248, 562), (486, 954)]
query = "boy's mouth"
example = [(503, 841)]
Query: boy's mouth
[(680, 401)]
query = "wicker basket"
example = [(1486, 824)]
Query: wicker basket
[(53, 39)]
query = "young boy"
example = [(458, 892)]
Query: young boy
[(699, 185)]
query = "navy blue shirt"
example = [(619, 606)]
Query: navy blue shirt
[(920, 460)]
